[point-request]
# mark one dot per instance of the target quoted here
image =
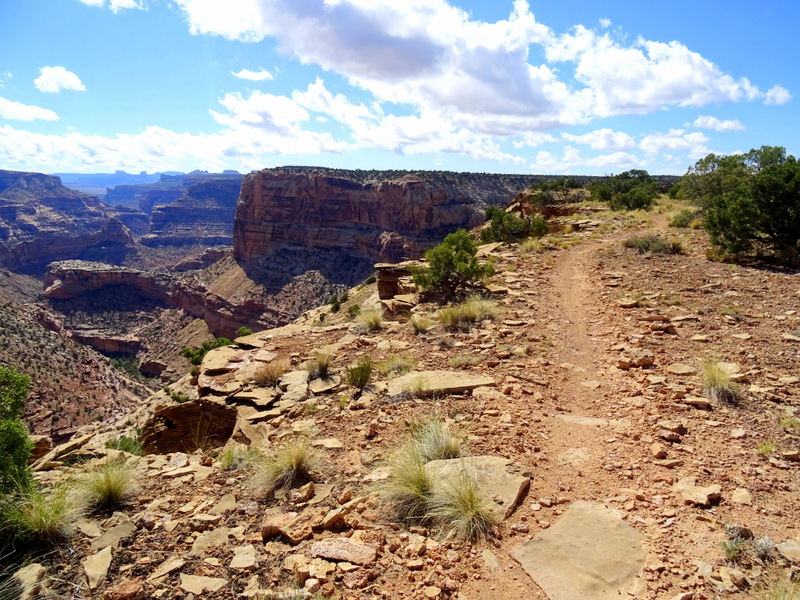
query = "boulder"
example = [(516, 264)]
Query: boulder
[(691, 493), (188, 426)]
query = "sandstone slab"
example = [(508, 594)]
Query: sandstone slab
[(499, 479), (198, 584), (114, 535), (342, 549), (589, 553), (429, 383), (96, 567)]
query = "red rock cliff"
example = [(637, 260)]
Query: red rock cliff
[(371, 214)]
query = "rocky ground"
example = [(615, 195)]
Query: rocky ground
[(589, 381)]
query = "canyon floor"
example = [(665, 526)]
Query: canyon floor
[(596, 357)]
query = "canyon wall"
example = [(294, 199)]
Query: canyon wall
[(203, 214), (383, 216), (42, 221)]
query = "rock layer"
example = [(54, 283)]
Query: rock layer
[(42, 221), (382, 216)]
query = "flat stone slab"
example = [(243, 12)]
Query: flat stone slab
[(96, 567), (222, 360), (590, 553), (114, 535), (499, 480), (681, 369), (197, 584), (428, 383), (342, 549), (320, 386)]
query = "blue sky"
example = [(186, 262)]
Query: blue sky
[(568, 86)]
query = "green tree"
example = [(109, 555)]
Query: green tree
[(15, 444), (762, 210), (508, 227), (452, 266), (630, 190)]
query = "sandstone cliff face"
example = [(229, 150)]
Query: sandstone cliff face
[(379, 216), (42, 221), (202, 214)]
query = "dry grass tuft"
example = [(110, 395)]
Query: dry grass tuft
[(290, 466), (319, 367), (107, 485), (270, 373), (463, 316), (435, 440), (460, 509), (369, 320), (717, 383), (408, 488), (420, 323)]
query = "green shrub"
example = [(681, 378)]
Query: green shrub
[(683, 219), (15, 444), (196, 355), (751, 201), (243, 331), (358, 375), (452, 266), (370, 280), (654, 244), (353, 311), (508, 227), (336, 304)]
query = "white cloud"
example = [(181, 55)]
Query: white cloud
[(674, 139), (55, 79), (16, 111), (603, 139), (4, 77), (572, 160), (705, 122), (260, 75), (114, 5), (777, 95), (605, 23)]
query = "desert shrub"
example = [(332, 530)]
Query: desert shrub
[(509, 227), (751, 201), (353, 311), (683, 219), (108, 484), (452, 266), (319, 367), (289, 466), (336, 304), (777, 586), (370, 280), (370, 319), (654, 244), (420, 323), (458, 507), (358, 375), (126, 444), (717, 384), (243, 331), (270, 373), (196, 355)]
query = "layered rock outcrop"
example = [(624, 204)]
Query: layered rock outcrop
[(382, 216), (203, 214), (42, 221)]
